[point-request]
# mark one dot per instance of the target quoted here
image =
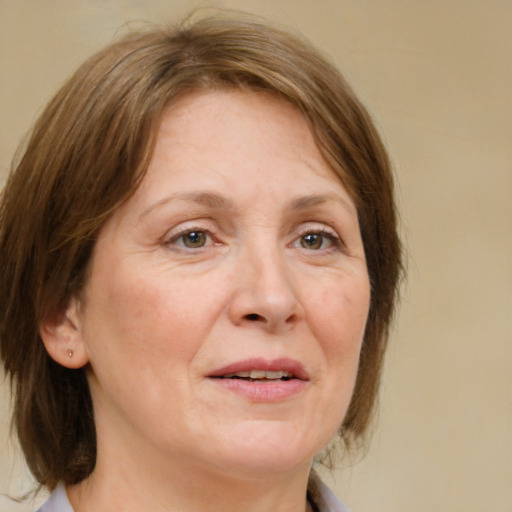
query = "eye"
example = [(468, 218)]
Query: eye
[(316, 240), (321, 238), (192, 239)]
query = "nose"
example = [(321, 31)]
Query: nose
[(265, 292)]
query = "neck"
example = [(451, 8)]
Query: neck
[(131, 486)]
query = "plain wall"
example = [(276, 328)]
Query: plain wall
[(437, 75)]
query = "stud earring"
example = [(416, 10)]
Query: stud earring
[(70, 353)]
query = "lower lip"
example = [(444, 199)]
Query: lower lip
[(262, 391)]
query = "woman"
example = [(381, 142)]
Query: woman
[(199, 261)]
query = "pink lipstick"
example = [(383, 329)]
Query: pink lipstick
[(262, 380)]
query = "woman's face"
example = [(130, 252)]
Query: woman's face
[(227, 299)]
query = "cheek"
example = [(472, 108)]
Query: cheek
[(150, 313), (141, 332), (338, 314), (338, 320)]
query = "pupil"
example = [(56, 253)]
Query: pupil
[(195, 239), (311, 241)]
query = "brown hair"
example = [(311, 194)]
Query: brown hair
[(87, 154)]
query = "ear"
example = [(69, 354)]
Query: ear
[(62, 336)]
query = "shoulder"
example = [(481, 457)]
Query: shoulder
[(57, 502), (322, 498)]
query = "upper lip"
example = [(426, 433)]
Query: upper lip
[(285, 364)]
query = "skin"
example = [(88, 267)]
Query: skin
[(240, 243)]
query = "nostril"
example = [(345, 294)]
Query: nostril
[(253, 317)]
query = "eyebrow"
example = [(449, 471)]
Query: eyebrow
[(209, 199), (310, 201), (213, 200)]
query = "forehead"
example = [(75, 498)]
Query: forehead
[(234, 119), (239, 143)]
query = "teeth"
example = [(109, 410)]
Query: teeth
[(240, 374), (260, 374), (274, 375)]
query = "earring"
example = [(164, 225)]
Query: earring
[(70, 353)]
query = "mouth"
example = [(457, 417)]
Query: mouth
[(261, 370), (259, 376), (261, 380)]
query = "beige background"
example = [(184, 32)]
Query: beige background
[(437, 75)]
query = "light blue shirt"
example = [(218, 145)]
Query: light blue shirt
[(58, 501)]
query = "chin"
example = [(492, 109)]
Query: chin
[(262, 465), (269, 449)]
